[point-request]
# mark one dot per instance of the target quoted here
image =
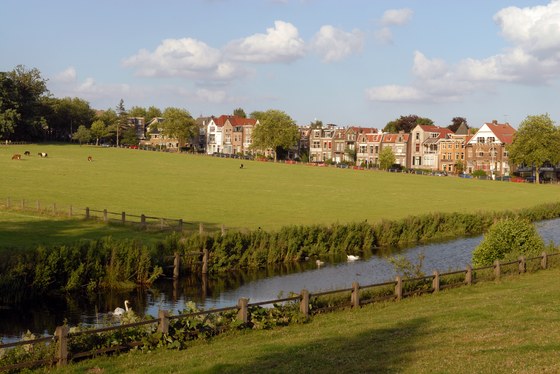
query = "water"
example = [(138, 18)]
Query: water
[(42, 316)]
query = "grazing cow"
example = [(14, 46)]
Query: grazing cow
[(17, 156), (43, 154), (89, 158), (27, 153)]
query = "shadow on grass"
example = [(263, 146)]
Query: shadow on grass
[(373, 351)]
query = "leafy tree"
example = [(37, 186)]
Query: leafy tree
[(478, 173), (459, 167), (239, 112), (506, 240), (316, 124), (178, 123), (456, 122), (386, 158), (109, 118), (98, 130), (152, 112), (406, 123), (537, 141), (129, 136), (22, 92), (276, 130), (64, 114), (82, 135), (257, 115), (137, 111)]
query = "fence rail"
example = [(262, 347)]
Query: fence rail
[(139, 221), (399, 288)]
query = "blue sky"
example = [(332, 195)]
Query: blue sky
[(352, 62)]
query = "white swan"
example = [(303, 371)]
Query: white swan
[(320, 263), (120, 311), (352, 257)]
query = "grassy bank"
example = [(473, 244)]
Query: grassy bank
[(493, 327), (216, 191)]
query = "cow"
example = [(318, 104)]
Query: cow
[(27, 153), (17, 156), (89, 158), (43, 154)]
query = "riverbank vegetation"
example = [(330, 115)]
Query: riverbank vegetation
[(491, 325)]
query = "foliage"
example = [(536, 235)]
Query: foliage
[(178, 124), (82, 135), (478, 173), (239, 112), (406, 123), (121, 121), (64, 115), (275, 130), (537, 141), (406, 268), (98, 130), (386, 158), (508, 239), (456, 122)]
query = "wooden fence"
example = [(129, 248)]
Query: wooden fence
[(142, 221), (358, 296)]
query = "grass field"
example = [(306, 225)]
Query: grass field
[(216, 191), (494, 327)]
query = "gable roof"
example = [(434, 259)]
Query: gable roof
[(503, 131), (233, 120)]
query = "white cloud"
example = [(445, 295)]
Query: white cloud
[(185, 57), (280, 44), (396, 17), (533, 58), (211, 96), (334, 44), (384, 35), (66, 76)]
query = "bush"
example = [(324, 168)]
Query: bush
[(506, 240)]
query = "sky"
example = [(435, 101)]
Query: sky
[(349, 63)]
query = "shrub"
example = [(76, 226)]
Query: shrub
[(506, 240)]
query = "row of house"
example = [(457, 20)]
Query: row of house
[(425, 147)]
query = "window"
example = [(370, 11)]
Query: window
[(417, 136), (417, 147), (376, 149), (480, 154), (491, 139), (480, 140)]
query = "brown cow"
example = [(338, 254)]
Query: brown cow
[(17, 156), (89, 158)]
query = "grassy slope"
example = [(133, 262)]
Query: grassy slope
[(493, 327), (216, 191)]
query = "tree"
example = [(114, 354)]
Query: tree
[(98, 130), (537, 141), (456, 122), (239, 112), (179, 124), (276, 131), (137, 111), (82, 135), (22, 92), (506, 240), (386, 158), (406, 123), (122, 119), (151, 113), (64, 114)]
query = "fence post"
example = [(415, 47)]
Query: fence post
[(355, 297), (143, 221), (544, 261), (497, 269), (161, 223), (87, 213), (398, 288), (163, 316), (522, 265), (223, 229), (123, 217), (243, 313), (61, 334), (176, 264), (105, 219), (205, 260), (435, 282), (468, 275), (201, 228), (180, 224), (304, 303)]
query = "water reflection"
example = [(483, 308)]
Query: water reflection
[(213, 291)]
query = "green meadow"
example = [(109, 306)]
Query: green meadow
[(216, 191)]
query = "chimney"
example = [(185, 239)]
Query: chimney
[(495, 121)]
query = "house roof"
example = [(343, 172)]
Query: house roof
[(233, 120), (394, 138), (503, 131)]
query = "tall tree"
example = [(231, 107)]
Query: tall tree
[(22, 92), (276, 130), (406, 123), (178, 123), (137, 111), (151, 113), (122, 119), (64, 115), (537, 141), (239, 112), (386, 158)]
